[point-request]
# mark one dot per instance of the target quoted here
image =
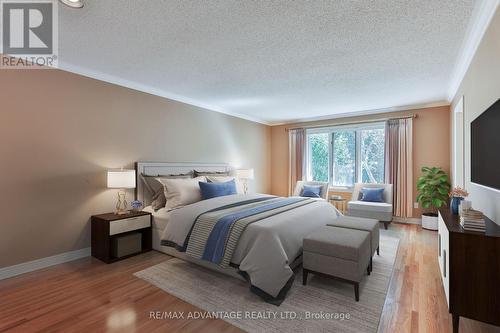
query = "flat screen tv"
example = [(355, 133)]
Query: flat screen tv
[(485, 148)]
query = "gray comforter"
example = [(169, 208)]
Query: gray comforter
[(266, 248)]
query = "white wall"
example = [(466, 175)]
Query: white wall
[(481, 88)]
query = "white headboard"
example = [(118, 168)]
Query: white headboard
[(166, 168)]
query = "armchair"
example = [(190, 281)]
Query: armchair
[(381, 211), (300, 185)]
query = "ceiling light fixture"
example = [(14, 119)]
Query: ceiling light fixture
[(73, 3)]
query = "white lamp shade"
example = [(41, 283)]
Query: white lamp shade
[(245, 173), (121, 178)]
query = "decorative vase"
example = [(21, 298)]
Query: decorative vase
[(455, 202)]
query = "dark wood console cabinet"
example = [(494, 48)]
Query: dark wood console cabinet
[(470, 269)]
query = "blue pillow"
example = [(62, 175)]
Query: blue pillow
[(213, 190), (311, 191), (372, 194)]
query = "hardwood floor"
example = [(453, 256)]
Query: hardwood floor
[(89, 296), (415, 300)]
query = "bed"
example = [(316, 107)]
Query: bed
[(263, 244)]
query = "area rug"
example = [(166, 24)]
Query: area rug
[(324, 305)]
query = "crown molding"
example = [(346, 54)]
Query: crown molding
[(158, 92), (151, 90), (366, 112), (478, 25)]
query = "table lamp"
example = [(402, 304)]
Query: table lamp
[(245, 175), (121, 179)]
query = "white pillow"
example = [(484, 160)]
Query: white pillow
[(223, 179), (182, 192)]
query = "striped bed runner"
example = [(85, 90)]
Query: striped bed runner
[(215, 234)]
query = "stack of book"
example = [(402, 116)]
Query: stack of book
[(472, 220)]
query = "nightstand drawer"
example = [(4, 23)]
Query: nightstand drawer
[(133, 223)]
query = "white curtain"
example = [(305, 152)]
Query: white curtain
[(296, 160)]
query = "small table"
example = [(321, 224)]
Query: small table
[(106, 228), (339, 203)]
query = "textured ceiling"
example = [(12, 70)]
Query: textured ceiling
[(274, 61)]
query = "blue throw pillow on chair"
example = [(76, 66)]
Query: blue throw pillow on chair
[(372, 194), (311, 191), (213, 190)]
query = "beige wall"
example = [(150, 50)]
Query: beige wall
[(59, 132), (431, 145), (481, 88)]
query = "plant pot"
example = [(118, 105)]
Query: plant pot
[(430, 221)]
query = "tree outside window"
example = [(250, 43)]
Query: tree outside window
[(372, 155), (319, 146), (343, 156)]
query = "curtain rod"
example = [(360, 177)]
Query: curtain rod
[(352, 122)]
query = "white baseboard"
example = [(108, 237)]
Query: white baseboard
[(34, 265), (408, 220)]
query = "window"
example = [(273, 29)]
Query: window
[(372, 155), (344, 158), (320, 146), (345, 155)]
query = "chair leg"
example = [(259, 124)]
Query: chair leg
[(304, 276), (368, 270), (356, 291), (385, 225), (371, 264), (378, 250)]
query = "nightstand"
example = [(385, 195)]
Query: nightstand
[(112, 233)]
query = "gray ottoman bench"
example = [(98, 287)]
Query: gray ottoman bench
[(360, 223), (340, 253)]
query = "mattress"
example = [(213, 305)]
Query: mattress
[(160, 221), (160, 217)]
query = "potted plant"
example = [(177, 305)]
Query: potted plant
[(457, 195), (433, 187)]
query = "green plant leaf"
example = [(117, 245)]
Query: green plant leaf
[(433, 187), (443, 190), (436, 202), (443, 178)]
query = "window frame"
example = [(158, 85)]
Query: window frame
[(330, 130)]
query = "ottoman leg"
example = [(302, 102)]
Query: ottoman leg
[(304, 276), (385, 225), (368, 269), (378, 250), (356, 291), (371, 264)]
